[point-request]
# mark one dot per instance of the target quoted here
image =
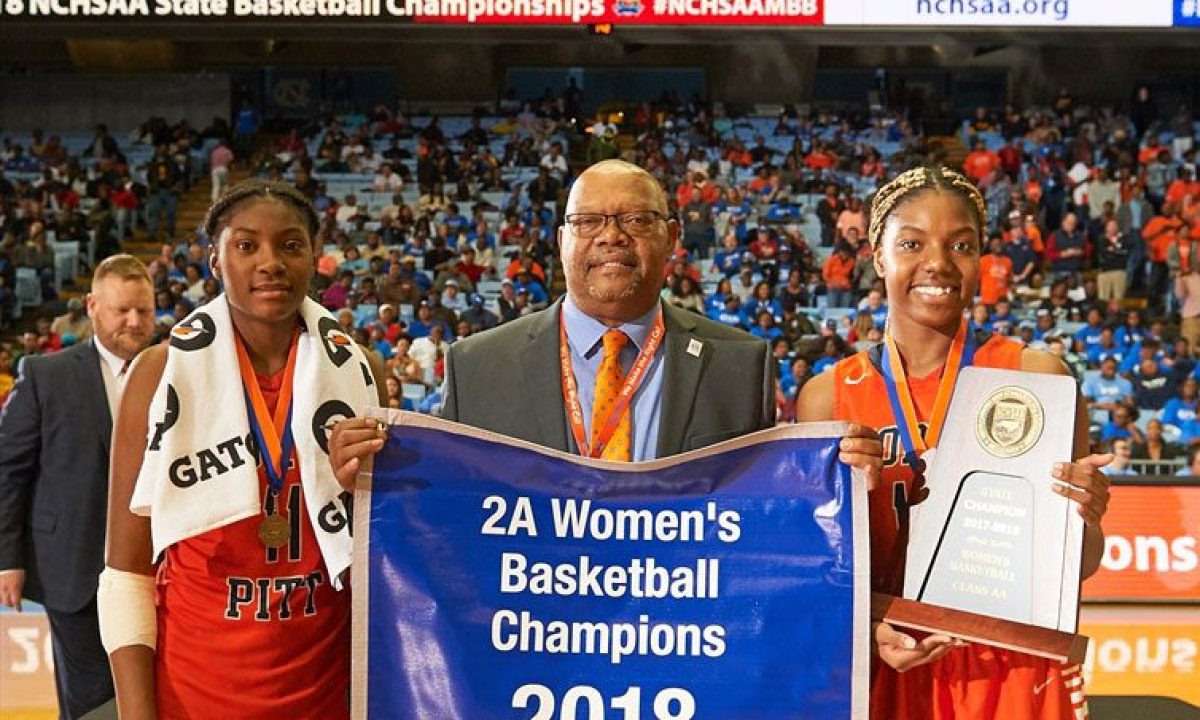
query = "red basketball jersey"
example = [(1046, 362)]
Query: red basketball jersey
[(249, 632)]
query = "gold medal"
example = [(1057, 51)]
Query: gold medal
[(273, 531)]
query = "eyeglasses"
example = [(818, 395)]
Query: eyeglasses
[(639, 223)]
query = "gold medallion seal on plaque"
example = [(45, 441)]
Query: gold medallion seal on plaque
[(1009, 422)]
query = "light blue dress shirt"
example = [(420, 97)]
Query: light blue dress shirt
[(584, 335)]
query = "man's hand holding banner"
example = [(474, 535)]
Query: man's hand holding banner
[(498, 579)]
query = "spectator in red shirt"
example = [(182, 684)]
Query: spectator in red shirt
[(48, 341), (995, 273), (765, 247), (524, 263), (292, 143), (873, 165), (821, 158), (1183, 187), (709, 193), (513, 232), (391, 327), (838, 271), (1010, 157), (467, 265), (125, 205), (980, 162)]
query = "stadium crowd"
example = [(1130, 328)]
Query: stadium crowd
[(437, 228)]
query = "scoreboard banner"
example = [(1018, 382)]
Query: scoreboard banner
[(997, 14), (1150, 546), (1001, 13), (494, 578), (494, 12)]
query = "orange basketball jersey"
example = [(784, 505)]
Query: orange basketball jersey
[(249, 632), (976, 682)]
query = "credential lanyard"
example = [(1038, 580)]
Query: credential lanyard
[(273, 449), (632, 381), (962, 354)]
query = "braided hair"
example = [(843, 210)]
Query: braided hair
[(917, 180), (255, 189)]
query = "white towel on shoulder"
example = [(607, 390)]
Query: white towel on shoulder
[(199, 473)]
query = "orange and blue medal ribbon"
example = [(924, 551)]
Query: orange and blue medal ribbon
[(272, 432), (962, 354)]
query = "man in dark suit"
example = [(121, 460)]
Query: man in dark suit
[(706, 382), (54, 442)]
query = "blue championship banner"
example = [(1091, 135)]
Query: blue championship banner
[(496, 579)]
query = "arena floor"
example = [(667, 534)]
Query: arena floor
[(1142, 663)]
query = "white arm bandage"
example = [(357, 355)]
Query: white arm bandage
[(125, 604)]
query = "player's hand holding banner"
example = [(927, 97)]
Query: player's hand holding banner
[(495, 579)]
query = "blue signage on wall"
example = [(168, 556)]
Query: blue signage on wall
[(1187, 13)]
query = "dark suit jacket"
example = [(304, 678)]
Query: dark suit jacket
[(54, 438), (508, 380)]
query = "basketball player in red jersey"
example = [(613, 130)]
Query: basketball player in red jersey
[(926, 230), (226, 648)]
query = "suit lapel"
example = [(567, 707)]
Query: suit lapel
[(684, 358), (87, 369), (542, 374)]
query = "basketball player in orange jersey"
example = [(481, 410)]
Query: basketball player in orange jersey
[(248, 622), (926, 230)]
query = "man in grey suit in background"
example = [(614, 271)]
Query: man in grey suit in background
[(705, 382), (54, 445)]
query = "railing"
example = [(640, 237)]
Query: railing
[(1162, 470)]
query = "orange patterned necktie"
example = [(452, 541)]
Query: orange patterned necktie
[(609, 379)]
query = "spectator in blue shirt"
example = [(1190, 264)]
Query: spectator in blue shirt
[(728, 260), (781, 352), (731, 314), (764, 326), (1181, 361), (1003, 321), (1132, 332), (1193, 462), (1020, 250), (1151, 388), (1089, 334), (736, 210), (1148, 349), (762, 300), (408, 269), (1122, 451), (1106, 348), (22, 163), (453, 221), (832, 350), (979, 319), (481, 231), (380, 343), (1044, 325), (527, 283), (1106, 391), (1181, 408), (1122, 425), (875, 304), (715, 302), (422, 323)]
